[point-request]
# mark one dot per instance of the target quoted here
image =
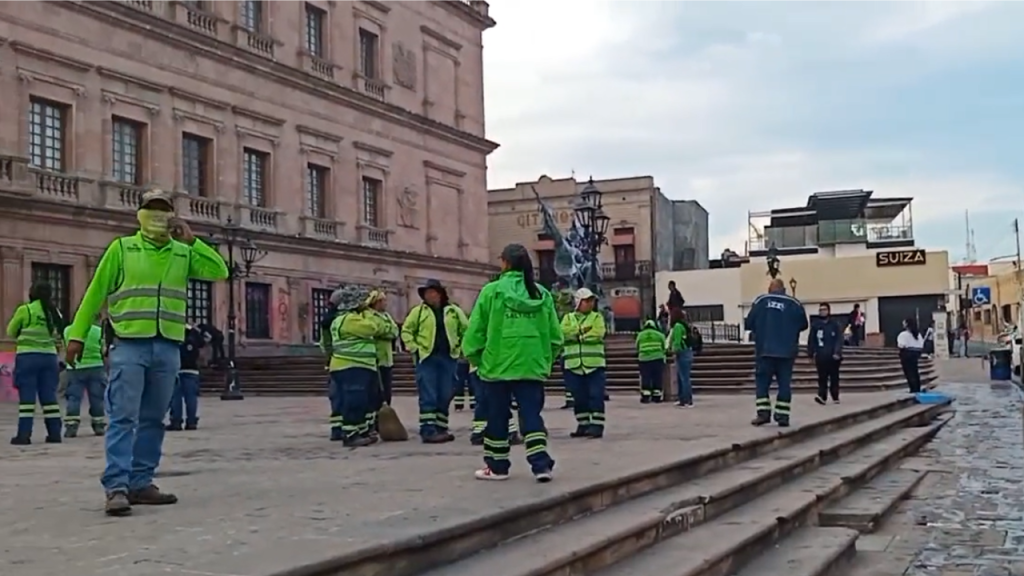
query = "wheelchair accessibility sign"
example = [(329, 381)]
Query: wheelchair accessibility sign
[(981, 296)]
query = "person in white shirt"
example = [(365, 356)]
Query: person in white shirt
[(911, 344)]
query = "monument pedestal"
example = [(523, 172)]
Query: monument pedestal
[(668, 381)]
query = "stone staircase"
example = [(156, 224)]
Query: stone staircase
[(720, 368), (792, 502)]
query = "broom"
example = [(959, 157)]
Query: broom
[(389, 425)]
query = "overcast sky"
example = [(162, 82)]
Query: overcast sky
[(754, 105)]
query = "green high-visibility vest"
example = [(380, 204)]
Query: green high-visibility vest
[(582, 355), (150, 301), (36, 335), (349, 349)]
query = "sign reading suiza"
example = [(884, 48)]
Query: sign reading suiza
[(914, 257)]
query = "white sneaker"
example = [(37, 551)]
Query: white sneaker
[(544, 477), (488, 474)]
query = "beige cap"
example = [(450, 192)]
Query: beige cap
[(583, 294), (156, 195)]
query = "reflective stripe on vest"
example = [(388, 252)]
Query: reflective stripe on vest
[(652, 348), (36, 335), (586, 355), (151, 302), (355, 349)]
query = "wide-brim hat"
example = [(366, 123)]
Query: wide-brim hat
[(432, 284)]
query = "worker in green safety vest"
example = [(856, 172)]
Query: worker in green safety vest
[(36, 326), (86, 379), (650, 347), (584, 373), (433, 332), (143, 279), (354, 334)]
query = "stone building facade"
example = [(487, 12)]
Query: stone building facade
[(647, 233), (346, 139)]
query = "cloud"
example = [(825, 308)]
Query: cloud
[(753, 106)]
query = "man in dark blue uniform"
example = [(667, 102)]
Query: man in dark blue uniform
[(775, 321), (825, 347)]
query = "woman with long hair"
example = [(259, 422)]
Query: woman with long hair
[(36, 326), (512, 340), (679, 344), (911, 343)]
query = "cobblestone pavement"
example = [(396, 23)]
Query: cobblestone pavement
[(262, 489), (967, 516)]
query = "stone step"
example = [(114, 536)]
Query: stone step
[(593, 527), (597, 541), (729, 542), (867, 507), (810, 551)]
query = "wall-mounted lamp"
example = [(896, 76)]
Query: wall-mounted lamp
[(792, 286)]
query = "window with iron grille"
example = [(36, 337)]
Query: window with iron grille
[(200, 302), (58, 277), (194, 153), (47, 124), (316, 190), (254, 177), (124, 139), (315, 41), (369, 47), (710, 313), (252, 15), (257, 310), (321, 302), (371, 201)]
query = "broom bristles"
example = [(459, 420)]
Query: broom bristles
[(389, 426)]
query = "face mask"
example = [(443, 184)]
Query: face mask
[(154, 223)]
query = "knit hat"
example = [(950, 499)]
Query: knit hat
[(350, 297)]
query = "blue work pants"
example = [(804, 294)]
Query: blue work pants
[(769, 368), (530, 396), (435, 378), (142, 376), (36, 376), (186, 395), (588, 394), (82, 382)]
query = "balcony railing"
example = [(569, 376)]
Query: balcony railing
[(121, 196), (254, 41), (374, 88), (260, 218), (15, 175), (317, 66), (57, 185), (373, 236), (619, 271), (832, 232), (196, 18), (198, 208), (322, 228)]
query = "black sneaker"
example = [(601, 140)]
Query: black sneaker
[(357, 442), (581, 432), (54, 440), (515, 439), (173, 428), (21, 441), (71, 431), (821, 401), (476, 439), (760, 420)]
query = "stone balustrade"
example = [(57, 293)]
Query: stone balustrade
[(373, 236), (257, 218), (322, 228)]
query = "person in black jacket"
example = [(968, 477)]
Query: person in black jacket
[(775, 321), (186, 388), (825, 347)]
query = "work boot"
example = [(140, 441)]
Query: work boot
[(99, 429), (476, 439), (515, 439), (435, 438), (54, 440), (761, 419), (151, 496), (173, 427), (71, 431), (581, 432), (782, 421), (21, 441), (118, 504), (447, 435), (373, 436), (192, 426), (357, 442), (336, 435), (658, 399), (595, 432), (645, 399)]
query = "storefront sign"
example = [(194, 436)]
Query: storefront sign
[(534, 219), (900, 258)]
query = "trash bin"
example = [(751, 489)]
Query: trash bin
[(999, 365)]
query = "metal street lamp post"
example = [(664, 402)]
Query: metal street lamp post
[(792, 287), (773, 261), (250, 254), (594, 224)]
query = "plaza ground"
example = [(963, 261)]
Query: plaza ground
[(262, 489)]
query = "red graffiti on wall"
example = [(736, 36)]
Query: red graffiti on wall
[(7, 390), (284, 329)]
